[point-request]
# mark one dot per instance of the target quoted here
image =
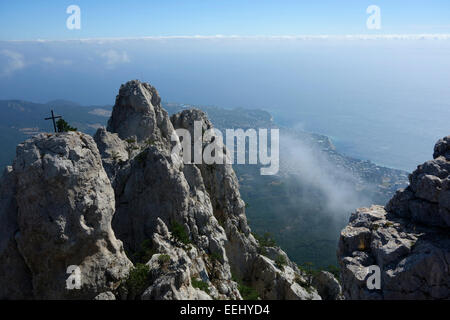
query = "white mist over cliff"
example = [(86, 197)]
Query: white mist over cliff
[(312, 167)]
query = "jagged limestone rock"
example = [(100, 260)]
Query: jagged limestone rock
[(413, 258), (58, 204), (241, 247), (427, 198), (174, 268), (113, 150), (15, 277), (408, 240), (65, 206), (155, 185), (327, 286), (274, 283), (138, 113), (222, 186), (442, 148), (203, 199)]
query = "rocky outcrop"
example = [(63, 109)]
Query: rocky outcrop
[(222, 186), (138, 113), (113, 151), (62, 218), (241, 247), (427, 198), (409, 240), (15, 277), (327, 286), (156, 187), (183, 225), (175, 267)]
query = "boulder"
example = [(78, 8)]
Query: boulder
[(327, 286), (65, 207)]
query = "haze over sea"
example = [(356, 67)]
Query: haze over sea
[(383, 100)]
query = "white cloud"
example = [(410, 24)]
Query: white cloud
[(101, 112), (48, 60), (426, 36), (51, 60), (14, 61), (113, 58)]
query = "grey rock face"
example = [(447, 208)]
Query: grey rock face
[(15, 277), (427, 199), (327, 286), (222, 185), (174, 268), (65, 206), (408, 240), (138, 112), (413, 258), (274, 283), (155, 188), (66, 193), (442, 148), (241, 247)]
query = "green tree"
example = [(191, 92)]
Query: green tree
[(63, 126)]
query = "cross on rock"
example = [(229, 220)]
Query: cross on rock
[(53, 117)]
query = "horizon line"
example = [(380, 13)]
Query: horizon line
[(422, 36)]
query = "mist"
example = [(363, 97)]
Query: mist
[(312, 167), (355, 91)]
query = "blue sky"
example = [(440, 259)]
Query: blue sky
[(28, 20), (337, 86)]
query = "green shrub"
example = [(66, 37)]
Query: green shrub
[(115, 156), (199, 284), (149, 142), (263, 251), (215, 256), (164, 259), (336, 271), (266, 240), (308, 269), (138, 279), (63, 126), (247, 293), (145, 252), (180, 233), (280, 262), (300, 281)]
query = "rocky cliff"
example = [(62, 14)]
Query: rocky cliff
[(409, 239), (136, 220)]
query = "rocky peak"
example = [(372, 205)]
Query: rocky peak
[(73, 200), (427, 198), (137, 114), (62, 218), (442, 148), (408, 239)]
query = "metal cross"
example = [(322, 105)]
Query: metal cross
[(53, 117)]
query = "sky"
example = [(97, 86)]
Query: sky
[(46, 19), (380, 94)]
